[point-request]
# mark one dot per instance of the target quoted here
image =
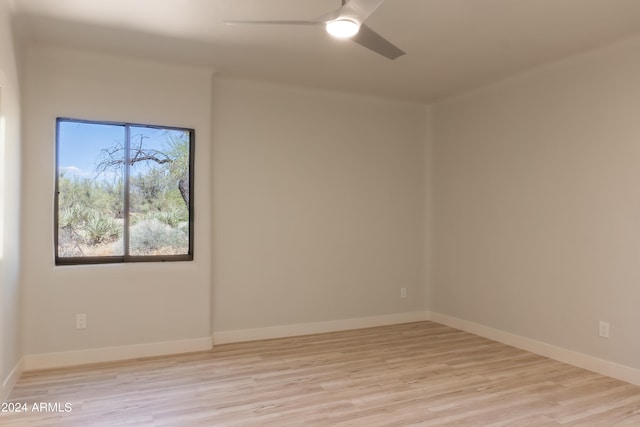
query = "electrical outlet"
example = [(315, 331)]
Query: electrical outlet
[(81, 321), (604, 329), (403, 292)]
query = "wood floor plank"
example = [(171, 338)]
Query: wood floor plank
[(420, 374)]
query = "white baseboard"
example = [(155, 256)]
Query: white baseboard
[(581, 360), (10, 381), (111, 354), (240, 335)]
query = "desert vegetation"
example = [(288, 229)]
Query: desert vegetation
[(91, 208)]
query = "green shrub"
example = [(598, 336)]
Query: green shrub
[(73, 217), (100, 228), (172, 217), (153, 237)]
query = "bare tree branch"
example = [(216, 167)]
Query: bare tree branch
[(113, 159)]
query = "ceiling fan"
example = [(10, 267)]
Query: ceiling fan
[(347, 22)]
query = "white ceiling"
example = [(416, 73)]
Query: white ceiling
[(451, 45)]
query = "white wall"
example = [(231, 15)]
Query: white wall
[(317, 201), (537, 204), (318, 206), (10, 348), (125, 304)]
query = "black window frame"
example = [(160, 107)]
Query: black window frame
[(126, 257)]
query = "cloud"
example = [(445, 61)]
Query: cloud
[(74, 170)]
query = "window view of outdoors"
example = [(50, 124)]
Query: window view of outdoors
[(120, 196)]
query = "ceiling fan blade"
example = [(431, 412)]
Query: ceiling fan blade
[(368, 38), (361, 8), (286, 22), (329, 16)]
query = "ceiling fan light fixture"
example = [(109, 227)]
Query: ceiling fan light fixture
[(342, 28)]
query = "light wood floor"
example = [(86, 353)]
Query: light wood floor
[(413, 374)]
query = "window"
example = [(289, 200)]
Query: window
[(124, 192)]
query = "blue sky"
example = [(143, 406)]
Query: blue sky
[(81, 145)]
